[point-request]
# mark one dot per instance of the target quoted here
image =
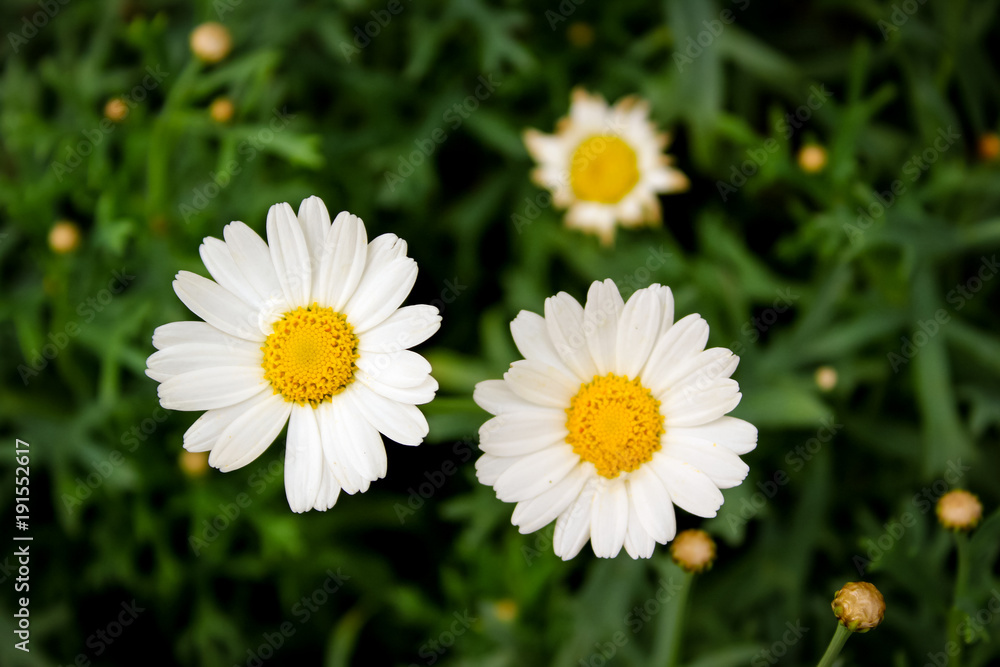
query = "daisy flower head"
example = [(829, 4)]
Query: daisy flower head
[(307, 330), (605, 164), (615, 415)]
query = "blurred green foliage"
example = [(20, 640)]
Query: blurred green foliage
[(881, 266)]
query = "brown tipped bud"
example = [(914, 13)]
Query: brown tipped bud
[(989, 147), (959, 510), (693, 550), (194, 464), (826, 377), (859, 606), (505, 610), (64, 237), (116, 110), (211, 42), (580, 34), (812, 158), (222, 110)]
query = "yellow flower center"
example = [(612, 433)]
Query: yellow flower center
[(615, 423), (311, 355), (604, 169)]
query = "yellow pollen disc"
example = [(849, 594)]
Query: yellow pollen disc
[(311, 355), (615, 423), (604, 169)]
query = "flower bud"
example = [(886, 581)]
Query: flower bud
[(211, 42), (580, 34), (194, 464), (693, 550), (826, 377), (116, 110), (959, 510), (64, 237), (989, 147), (859, 606), (222, 110), (812, 158)]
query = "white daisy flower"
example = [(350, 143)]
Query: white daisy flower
[(615, 415), (307, 330), (605, 164)]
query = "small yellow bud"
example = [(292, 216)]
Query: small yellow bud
[(812, 158), (194, 464), (116, 110), (693, 550), (505, 610), (989, 147), (580, 34), (211, 42), (222, 110), (826, 377), (859, 606), (64, 237), (959, 510)]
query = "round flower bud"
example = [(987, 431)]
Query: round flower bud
[(222, 110), (211, 42), (194, 464), (859, 606), (64, 237), (505, 610), (812, 158), (116, 110), (826, 377), (580, 34), (959, 510), (693, 550), (989, 146)]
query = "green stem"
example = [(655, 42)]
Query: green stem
[(667, 645), (956, 617), (837, 643)]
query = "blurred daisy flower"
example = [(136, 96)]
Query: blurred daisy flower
[(306, 329), (615, 415), (605, 164)]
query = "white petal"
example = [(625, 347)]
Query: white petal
[(666, 298), (252, 432), (609, 519), (638, 330), (564, 319), (342, 261), (600, 324), (253, 258), (338, 455), (689, 489), (531, 336), (218, 306), (187, 357), (401, 422), (520, 433), (538, 383), (489, 468), (219, 262), (418, 395), (690, 407), (700, 371), (573, 525), (329, 491), (496, 397), (303, 458), (652, 504), (315, 222), (721, 465), (535, 473), (685, 339), (399, 369), (638, 542), (290, 254), (533, 514), (181, 333), (408, 326), (212, 387), (205, 431), (734, 434)]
